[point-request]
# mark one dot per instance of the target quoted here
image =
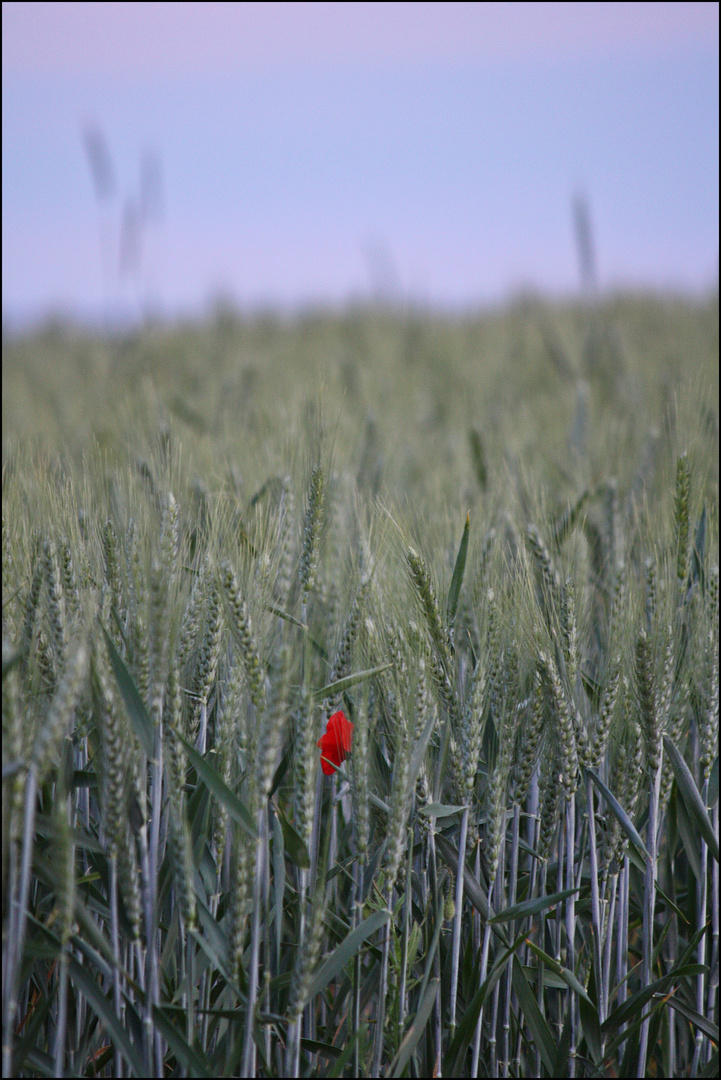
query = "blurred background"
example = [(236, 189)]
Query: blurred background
[(164, 159)]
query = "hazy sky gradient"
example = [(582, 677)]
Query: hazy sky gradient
[(316, 153)]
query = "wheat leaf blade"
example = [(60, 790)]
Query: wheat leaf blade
[(691, 796), (540, 1030), (454, 591), (619, 813), (217, 787), (558, 969), (531, 907), (191, 1057), (415, 1031), (102, 1007), (347, 949), (345, 683), (138, 714)]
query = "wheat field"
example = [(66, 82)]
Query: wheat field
[(360, 695)]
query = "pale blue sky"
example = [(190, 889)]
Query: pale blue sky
[(321, 153)]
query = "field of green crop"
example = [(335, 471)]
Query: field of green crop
[(487, 548)]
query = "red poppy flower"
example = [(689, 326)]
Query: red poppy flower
[(335, 744)]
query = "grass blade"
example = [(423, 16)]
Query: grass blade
[(454, 591), (142, 724), (536, 1022), (691, 796), (340, 685), (531, 907), (619, 813), (347, 949), (217, 787), (415, 1031)]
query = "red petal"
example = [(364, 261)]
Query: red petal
[(336, 742)]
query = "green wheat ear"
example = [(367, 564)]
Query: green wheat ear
[(60, 716), (646, 685), (311, 531), (180, 881), (241, 625), (421, 578), (682, 517)]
